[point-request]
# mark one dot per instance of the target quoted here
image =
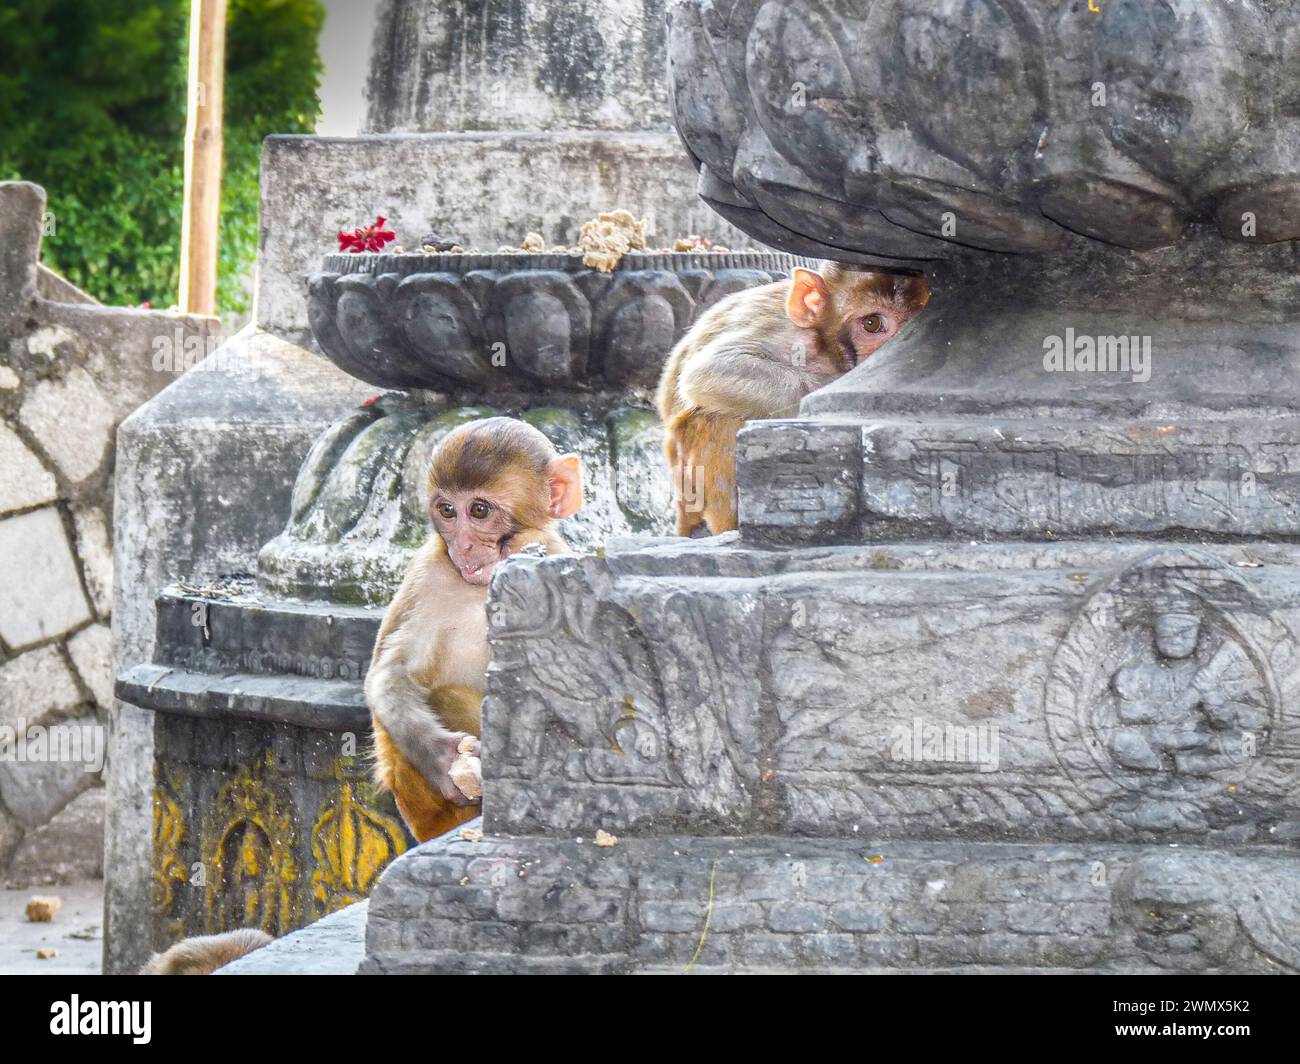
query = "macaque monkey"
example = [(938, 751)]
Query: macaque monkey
[(757, 353), (204, 954), (496, 487)]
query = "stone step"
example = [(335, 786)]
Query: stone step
[(247, 631), (333, 945), (230, 651), (333, 705), (770, 904)]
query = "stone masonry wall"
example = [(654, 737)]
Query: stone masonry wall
[(70, 371)]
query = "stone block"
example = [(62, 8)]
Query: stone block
[(96, 553), (910, 691), (35, 684), (49, 777), (74, 421), (589, 64), (68, 847), (91, 650), (1174, 910), (40, 588), (26, 481)]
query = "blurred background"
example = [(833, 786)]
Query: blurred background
[(92, 107)]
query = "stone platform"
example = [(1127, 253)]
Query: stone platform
[(764, 904), (1009, 757), (685, 685)]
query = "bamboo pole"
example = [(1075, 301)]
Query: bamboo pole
[(201, 209)]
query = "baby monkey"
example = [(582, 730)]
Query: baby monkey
[(755, 354), (496, 487)]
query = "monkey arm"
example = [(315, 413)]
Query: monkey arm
[(744, 384), (416, 719)]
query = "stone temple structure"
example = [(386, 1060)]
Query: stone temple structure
[(1002, 670), (208, 472)]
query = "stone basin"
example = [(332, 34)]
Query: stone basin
[(517, 322)]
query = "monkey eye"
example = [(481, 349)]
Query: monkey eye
[(445, 509), (479, 509), (874, 323)]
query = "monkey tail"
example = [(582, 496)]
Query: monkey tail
[(204, 954)]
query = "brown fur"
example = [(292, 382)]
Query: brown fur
[(204, 954), (431, 653), (426, 812), (500, 457), (738, 363)]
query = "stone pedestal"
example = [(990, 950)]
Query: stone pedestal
[(1001, 672), (264, 813)]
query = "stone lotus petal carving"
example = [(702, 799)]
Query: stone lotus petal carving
[(513, 322), (1023, 119), (360, 504)]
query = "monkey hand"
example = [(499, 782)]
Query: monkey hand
[(466, 771), (449, 760)]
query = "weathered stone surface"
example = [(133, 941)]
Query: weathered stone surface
[(997, 692), (333, 945), (73, 420), (187, 503), (257, 658), (22, 205), (11, 835), (96, 554), (489, 189), (781, 904), (40, 590), (283, 819), (34, 684), (850, 126), (525, 323), (360, 506), (91, 650), (583, 64), (26, 481), (34, 790), (69, 847)]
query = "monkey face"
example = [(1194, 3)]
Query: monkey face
[(873, 309), (475, 527), (868, 332)]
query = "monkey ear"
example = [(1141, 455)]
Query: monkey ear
[(807, 299), (564, 477)]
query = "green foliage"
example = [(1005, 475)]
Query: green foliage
[(92, 106)]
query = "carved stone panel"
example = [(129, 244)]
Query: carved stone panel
[(1025, 691)]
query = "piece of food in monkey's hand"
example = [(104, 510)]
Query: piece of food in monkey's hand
[(41, 910), (466, 771)]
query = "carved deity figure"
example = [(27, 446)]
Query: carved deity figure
[(1188, 701)]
